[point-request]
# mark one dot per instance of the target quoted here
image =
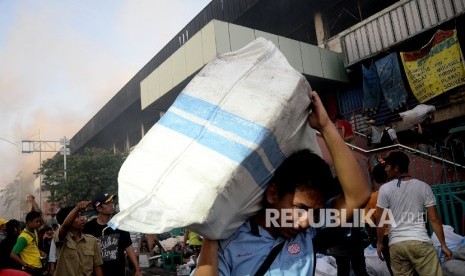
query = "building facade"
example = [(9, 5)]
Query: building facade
[(327, 41)]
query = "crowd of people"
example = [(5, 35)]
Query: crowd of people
[(78, 246), (303, 183)]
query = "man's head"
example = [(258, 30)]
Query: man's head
[(338, 117), (13, 228), (388, 123), (371, 122), (303, 181), (54, 227), (78, 223), (33, 220), (397, 163), (379, 173), (104, 204), (48, 230)]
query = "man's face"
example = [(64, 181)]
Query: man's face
[(79, 222), (107, 208), (298, 203), (391, 171), (35, 223)]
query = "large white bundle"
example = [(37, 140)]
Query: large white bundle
[(206, 163), (415, 116)]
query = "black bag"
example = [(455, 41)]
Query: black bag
[(386, 139)]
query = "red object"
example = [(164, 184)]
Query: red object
[(13, 272), (348, 132)]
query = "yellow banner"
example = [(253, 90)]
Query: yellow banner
[(435, 68)]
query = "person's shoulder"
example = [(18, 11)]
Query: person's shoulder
[(89, 237), (384, 187), (243, 231), (387, 187), (422, 184), (91, 225)]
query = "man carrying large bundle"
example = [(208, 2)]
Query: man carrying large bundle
[(274, 243)]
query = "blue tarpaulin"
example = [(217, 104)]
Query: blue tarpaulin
[(391, 81)]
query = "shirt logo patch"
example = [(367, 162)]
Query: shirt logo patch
[(293, 248)]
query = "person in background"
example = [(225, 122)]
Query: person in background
[(304, 183), (2, 228), (345, 128), (55, 227), (425, 137), (379, 176), (407, 198), (349, 251), (79, 253), (52, 258), (47, 239), (136, 242), (26, 250), (192, 241), (6, 245), (114, 261), (389, 135), (136, 239), (32, 204), (373, 135)]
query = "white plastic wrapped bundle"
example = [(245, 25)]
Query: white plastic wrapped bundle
[(206, 163), (415, 116)]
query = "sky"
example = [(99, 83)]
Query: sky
[(62, 60)]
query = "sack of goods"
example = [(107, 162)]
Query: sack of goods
[(415, 116), (205, 164)]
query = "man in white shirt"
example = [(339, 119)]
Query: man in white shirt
[(407, 199)]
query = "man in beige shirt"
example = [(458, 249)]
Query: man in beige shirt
[(78, 253)]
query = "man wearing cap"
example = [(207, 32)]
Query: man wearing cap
[(373, 135), (3, 228), (113, 243)]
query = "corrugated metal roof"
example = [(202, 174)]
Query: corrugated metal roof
[(395, 24)]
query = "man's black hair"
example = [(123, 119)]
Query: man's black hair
[(63, 213), (32, 215), (305, 169), (379, 173), (400, 159)]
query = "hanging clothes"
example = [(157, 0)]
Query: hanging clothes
[(391, 81), (371, 90)]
